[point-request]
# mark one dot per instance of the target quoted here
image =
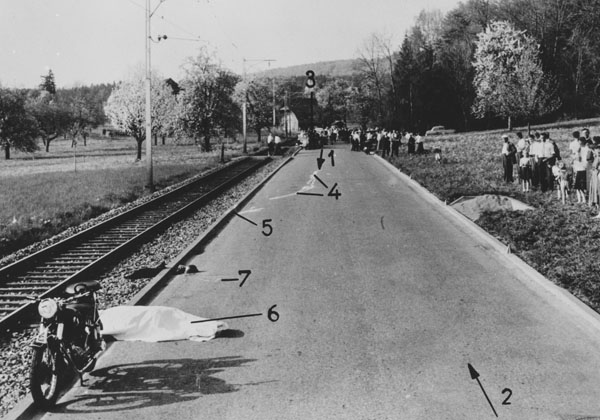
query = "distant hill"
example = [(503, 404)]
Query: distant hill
[(334, 68)]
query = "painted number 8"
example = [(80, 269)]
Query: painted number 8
[(310, 82)]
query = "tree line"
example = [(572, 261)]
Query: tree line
[(47, 113), (484, 62)]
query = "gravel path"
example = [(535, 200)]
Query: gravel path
[(14, 364)]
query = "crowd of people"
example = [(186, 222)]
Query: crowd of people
[(387, 142), (540, 165)]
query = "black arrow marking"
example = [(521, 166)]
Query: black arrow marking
[(319, 179), (247, 220), (226, 317), (303, 193), (475, 375), (331, 156), (320, 160)]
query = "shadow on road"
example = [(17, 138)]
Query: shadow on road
[(152, 383)]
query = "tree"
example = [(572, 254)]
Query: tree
[(509, 80), (52, 118), (126, 107), (18, 128), (372, 65), (48, 84), (333, 98), (206, 102), (258, 95)]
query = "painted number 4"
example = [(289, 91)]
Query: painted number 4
[(334, 192)]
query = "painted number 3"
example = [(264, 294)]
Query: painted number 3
[(310, 81)]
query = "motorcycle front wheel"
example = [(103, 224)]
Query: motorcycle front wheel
[(44, 377)]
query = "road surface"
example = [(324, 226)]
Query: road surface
[(383, 301)]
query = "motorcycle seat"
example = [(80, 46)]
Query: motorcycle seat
[(82, 287)]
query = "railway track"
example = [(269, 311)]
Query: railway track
[(92, 251)]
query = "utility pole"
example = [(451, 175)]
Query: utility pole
[(149, 176), (245, 104)]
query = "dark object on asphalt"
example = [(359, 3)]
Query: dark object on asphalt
[(187, 269), (146, 272)]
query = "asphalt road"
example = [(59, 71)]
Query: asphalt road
[(383, 301)]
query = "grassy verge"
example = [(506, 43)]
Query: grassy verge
[(46, 193), (560, 241)]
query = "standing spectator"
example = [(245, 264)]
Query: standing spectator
[(548, 159), (536, 152), (593, 182), (574, 145), (525, 171), (411, 143), (277, 145), (333, 135), (270, 144), (385, 144), (586, 135), (508, 155), (419, 143), (588, 157), (561, 175), (579, 167), (521, 146), (395, 143)]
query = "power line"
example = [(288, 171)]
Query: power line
[(173, 24)]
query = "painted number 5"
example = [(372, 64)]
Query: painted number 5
[(267, 228)]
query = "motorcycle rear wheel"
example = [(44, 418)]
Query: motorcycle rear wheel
[(44, 377)]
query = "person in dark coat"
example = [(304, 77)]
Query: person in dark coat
[(508, 155), (411, 143)]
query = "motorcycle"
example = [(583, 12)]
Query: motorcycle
[(69, 337)]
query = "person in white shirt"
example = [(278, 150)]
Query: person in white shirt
[(548, 159), (277, 142), (521, 146), (270, 144), (574, 145)]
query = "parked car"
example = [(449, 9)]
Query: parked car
[(439, 129)]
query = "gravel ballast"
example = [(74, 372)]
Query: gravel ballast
[(116, 289)]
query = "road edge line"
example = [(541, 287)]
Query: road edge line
[(535, 279)]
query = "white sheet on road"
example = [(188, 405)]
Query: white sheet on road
[(156, 323)]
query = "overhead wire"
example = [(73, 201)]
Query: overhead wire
[(173, 24)]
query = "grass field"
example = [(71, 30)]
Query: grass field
[(43, 193), (560, 241)]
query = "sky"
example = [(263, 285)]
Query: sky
[(103, 41)]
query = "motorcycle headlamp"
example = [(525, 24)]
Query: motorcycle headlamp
[(47, 308)]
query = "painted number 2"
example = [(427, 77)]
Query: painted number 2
[(509, 391)]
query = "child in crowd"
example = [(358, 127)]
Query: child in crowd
[(561, 175), (525, 171)]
